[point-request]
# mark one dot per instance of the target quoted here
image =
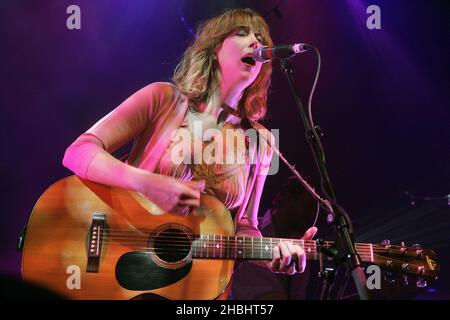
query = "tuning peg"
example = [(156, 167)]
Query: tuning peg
[(389, 277), (419, 250), (421, 283), (386, 243), (405, 267), (403, 247), (389, 264), (405, 279)]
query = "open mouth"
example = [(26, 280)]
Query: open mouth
[(248, 60)]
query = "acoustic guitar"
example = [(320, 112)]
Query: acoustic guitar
[(89, 241)]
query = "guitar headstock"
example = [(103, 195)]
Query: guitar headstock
[(414, 260)]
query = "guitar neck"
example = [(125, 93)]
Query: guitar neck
[(251, 248)]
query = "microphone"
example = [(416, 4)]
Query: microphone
[(265, 54)]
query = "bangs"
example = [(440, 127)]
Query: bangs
[(243, 18)]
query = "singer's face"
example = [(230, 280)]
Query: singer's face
[(235, 69)]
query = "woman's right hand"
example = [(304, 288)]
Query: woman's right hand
[(172, 195)]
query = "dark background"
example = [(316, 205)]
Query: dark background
[(382, 101)]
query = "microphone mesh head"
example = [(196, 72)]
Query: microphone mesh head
[(258, 54)]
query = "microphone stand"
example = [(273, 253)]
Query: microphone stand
[(345, 251)]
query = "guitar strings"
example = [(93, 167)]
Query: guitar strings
[(173, 240), (210, 255), (125, 235), (224, 244), (212, 243)]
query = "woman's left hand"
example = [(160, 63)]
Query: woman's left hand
[(290, 258)]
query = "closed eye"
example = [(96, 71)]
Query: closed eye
[(242, 32)]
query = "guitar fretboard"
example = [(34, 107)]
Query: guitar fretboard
[(208, 246)]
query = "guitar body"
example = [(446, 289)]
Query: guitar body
[(63, 253)]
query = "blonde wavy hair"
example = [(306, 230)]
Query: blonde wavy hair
[(197, 73)]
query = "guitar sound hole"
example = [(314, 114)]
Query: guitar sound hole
[(172, 245)]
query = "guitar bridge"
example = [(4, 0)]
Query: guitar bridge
[(95, 239)]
